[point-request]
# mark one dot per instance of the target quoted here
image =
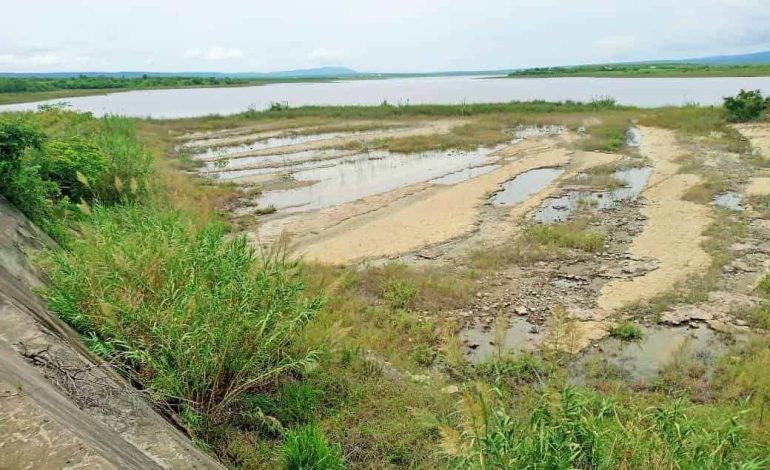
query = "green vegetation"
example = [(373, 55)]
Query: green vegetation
[(238, 347), (571, 235), (306, 449), (570, 428), (651, 70), (745, 106), (627, 332), (19, 90)]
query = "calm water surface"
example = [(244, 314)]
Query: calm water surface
[(645, 92)]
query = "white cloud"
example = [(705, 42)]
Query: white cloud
[(325, 54), (40, 60), (220, 53), (192, 53)]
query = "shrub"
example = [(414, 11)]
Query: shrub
[(628, 332), (190, 316), (745, 106), (75, 164), (307, 449)]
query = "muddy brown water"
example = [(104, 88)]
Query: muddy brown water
[(644, 359), (524, 185), (520, 336), (559, 209)]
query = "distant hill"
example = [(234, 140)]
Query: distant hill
[(740, 59), (319, 72)]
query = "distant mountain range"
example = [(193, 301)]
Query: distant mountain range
[(740, 59), (343, 72)]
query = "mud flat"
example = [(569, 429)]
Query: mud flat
[(673, 232), (436, 216)]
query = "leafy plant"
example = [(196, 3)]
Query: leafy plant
[(745, 106)]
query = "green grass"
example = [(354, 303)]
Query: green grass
[(193, 318), (307, 449), (569, 235), (627, 332), (651, 70)]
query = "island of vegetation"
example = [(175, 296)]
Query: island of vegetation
[(652, 70), (26, 89)]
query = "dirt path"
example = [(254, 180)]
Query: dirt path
[(673, 232), (436, 215), (758, 134)]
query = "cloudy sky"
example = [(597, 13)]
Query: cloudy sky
[(368, 35)]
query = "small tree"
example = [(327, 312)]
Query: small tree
[(745, 106)]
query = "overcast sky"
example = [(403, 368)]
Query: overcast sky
[(368, 35)]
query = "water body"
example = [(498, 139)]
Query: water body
[(642, 360), (524, 185), (352, 178), (559, 209), (730, 200), (520, 336), (188, 102)]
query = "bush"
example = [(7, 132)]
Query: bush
[(745, 106), (628, 332), (306, 449), (75, 164), (190, 316)]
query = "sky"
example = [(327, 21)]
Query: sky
[(368, 35)]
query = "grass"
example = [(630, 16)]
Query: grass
[(761, 204), (570, 235), (306, 449), (196, 320), (627, 332)]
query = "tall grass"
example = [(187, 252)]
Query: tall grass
[(194, 318), (566, 428)]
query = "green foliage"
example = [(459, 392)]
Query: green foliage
[(628, 332), (576, 429), (764, 285), (565, 236), (26, 85), (745, 106), (189, 315), (647, 70), (75, 164), (307, 449), (400, 294)]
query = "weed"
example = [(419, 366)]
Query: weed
[(628, 332), (307, 449), (189, 316), (566, 235)]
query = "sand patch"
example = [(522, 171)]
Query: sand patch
[(759, 186), (436, 215), (758, 134), (674, 230)]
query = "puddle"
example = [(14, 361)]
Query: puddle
[(465, 174), (524, 185), (633, 137), (558, 209), (348, 179), (730, 200), (519, 337), (642, 360), (268, 143), (274, 161)]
